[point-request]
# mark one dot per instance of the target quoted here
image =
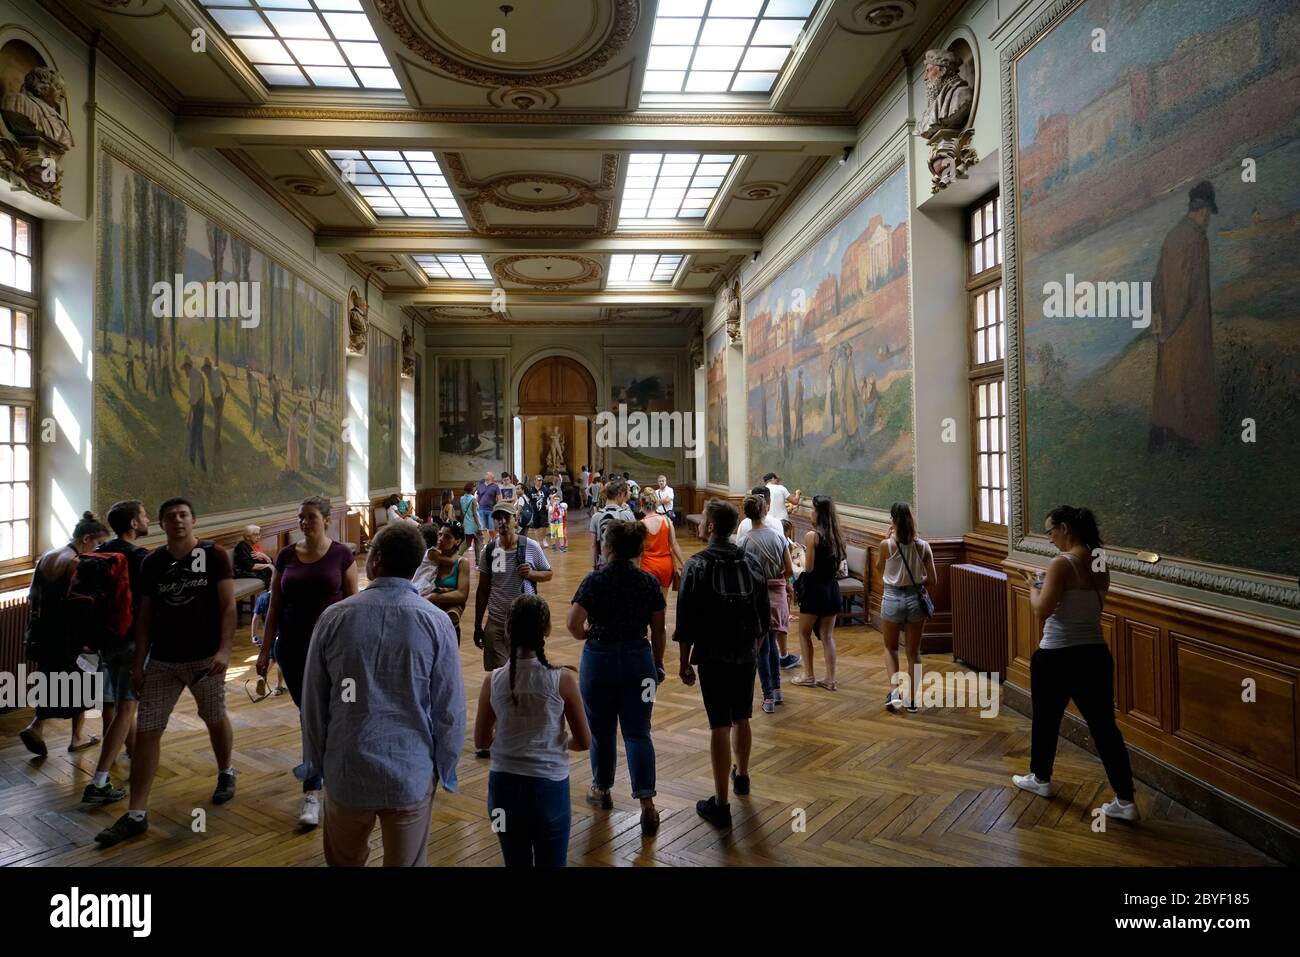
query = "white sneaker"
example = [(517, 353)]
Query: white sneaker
[(1030, 782), (310, 816), (1124, 810)]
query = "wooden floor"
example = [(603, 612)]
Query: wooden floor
[(874, 788)]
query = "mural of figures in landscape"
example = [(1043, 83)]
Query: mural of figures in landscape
[(471, 418), (644, 383), (385, 411), (235, 413), (1133, 172), (715, 358), (828, 360)]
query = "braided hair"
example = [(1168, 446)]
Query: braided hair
[(527, 627)]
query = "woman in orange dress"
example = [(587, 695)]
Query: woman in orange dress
[(662, 557)]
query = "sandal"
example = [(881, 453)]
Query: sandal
[(88, 743), (828, 685), (804, 681), (33, 744)]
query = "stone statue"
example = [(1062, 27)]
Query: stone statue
[(555, 454), (733, 312), (408, 355), (697, 349), (40, 134), (358, 324), (949, 99)]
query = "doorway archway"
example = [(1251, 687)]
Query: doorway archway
[(557, 394)]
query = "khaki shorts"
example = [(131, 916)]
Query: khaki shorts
[(163, 683), (496, 647)]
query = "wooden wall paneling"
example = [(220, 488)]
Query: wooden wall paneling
[(1209, 710), (1143, 674), (985, 550)]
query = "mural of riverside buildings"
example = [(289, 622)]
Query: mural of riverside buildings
[(1133, 171), (235, 417), (828, 360)]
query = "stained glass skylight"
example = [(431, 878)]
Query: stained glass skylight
[(453, 266), (642, 268), (306, 43), (672, 185), (398, 182), (722, 46)]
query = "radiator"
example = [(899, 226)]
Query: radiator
[(14, 615), (979, 617)]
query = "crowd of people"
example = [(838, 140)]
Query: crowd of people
[(377, 677)]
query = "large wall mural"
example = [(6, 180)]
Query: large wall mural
[(715, 358), (385, 411), (828, 360), (471, 417), (1168, 167), (237, 406)]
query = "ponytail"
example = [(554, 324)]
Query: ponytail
[(1082, 523)]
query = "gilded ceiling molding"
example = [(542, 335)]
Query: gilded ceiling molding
[(626, 15), (758, 190), (568, 232), (503, 270), (304, 185), (241, 161), (241, 111), (492, 192)]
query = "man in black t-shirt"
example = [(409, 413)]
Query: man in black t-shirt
[(184, 627), (129, 521)]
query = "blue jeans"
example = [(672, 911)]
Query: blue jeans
[(531, 817), (485, 520), (769, 665), (613, 684)]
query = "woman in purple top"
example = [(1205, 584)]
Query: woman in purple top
[(309, 577)]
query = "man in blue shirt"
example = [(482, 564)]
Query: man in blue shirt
[(487, 493), (383, 710)]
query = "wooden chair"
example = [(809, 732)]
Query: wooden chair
[(853, 588)]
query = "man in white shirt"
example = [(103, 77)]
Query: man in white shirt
[(759, 491), (664, 492), (782, 502)]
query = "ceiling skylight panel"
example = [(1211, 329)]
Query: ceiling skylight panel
[(454, 266), (642, 268), (722, 46), (320, 43), (672, 186), (397, 182)]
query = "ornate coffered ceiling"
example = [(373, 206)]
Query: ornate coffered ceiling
[(532, 112)]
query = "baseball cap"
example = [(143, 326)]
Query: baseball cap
[(504, 508)]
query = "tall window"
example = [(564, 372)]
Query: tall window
[(18, 271), (988, 349)]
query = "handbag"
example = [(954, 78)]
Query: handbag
[(927, 603)]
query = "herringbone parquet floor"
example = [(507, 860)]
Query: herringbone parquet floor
[(869, 787)]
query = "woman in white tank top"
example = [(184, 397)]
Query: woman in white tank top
[(522, 711), (1073, 662)]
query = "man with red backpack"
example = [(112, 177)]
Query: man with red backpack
[(183, 636), (722, 618)]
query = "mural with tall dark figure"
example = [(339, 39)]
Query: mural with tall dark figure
[(385, 411), (238, 406), (644, 384), (715, 358), (1158, 217), (471, 418), (828, 360)]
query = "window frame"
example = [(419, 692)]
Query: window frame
[(15, 396), (990, 372)]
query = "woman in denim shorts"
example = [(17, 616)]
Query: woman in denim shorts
[(901, 608)]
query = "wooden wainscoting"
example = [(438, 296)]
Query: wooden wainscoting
[(1182, 670)]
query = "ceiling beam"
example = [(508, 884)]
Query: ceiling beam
[(730, 133), (518, 298), (470, 243)]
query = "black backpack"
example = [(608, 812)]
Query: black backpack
[(735, 587)]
